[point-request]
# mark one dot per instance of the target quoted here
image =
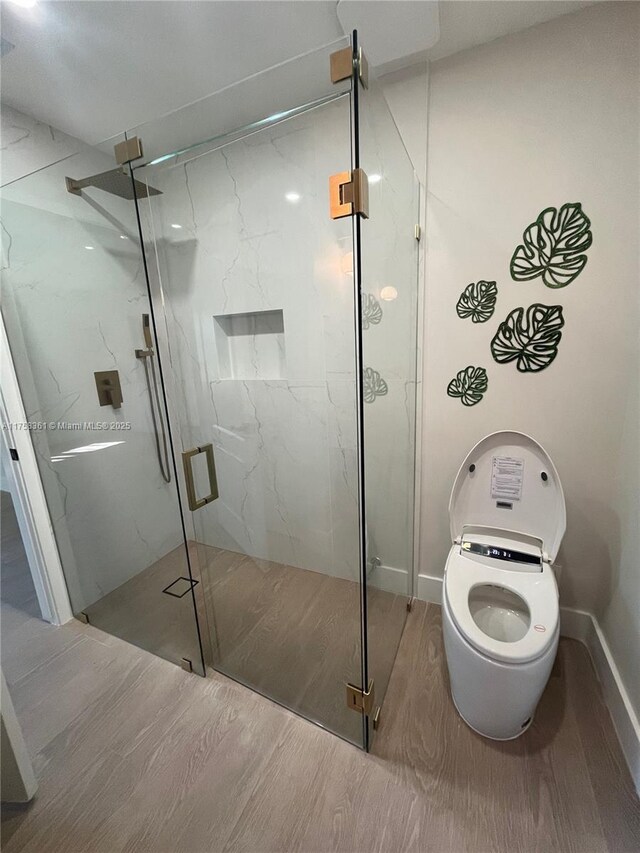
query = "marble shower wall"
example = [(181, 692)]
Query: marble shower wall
[(258, 290), (274, 388), (73, 291)]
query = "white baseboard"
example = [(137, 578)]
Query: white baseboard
[(622, 713), (390, 579), (429, 589), (583, 626)]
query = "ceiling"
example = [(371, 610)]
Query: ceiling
[(93, 68)]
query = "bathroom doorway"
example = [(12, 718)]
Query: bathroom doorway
[(16, 582)]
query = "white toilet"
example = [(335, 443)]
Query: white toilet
[(500, 599)]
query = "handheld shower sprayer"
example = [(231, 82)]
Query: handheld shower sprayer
[(146, 331), (154, 399), (148, 341)]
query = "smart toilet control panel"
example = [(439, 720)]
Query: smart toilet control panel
[(496, 553), (508, 482)]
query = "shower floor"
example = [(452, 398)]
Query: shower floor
[(289, 633)]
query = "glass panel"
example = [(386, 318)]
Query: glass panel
[(389, 287), (73, 298), (257, 286), (244, 107)]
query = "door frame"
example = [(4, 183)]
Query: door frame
[(29, 499)]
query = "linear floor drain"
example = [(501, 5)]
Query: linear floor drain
[(180, 587)]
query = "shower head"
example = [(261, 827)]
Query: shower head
[(115, 181)]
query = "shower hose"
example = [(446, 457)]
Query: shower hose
[(162, 453)]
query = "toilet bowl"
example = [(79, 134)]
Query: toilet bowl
[(501, 619)]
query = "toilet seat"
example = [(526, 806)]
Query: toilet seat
[(538, 590)]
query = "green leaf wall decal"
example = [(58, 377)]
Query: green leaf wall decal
[(469, 385), (371, 311), (553, 247), (478, 301), (531, 340), (374, 385)]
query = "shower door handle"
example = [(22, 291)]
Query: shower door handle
[(194, 501)]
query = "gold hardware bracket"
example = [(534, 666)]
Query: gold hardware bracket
[(417, 232), (130, 149), (73, 186), (195, 502), (360, 700), (82, 617), (376, 718), (337, 207), (341, 66), (349, 194), (186, 664)]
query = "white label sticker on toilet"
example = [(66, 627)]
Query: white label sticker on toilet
[(507, 473)]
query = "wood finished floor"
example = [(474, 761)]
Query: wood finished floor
[(134, 754)]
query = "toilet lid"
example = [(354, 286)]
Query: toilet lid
[(508, 482)]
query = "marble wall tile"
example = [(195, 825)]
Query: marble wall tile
[(27, 145), (243, 246), (245, 228)]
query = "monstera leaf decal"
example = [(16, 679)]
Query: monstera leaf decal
[(553, 247), (374, 385), (531, 340), (469, 384), (478, 301), (371, 311)]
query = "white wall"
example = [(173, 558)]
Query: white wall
[(534, 120), (406, 94)]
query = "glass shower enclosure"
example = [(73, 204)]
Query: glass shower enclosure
[(269, 236)]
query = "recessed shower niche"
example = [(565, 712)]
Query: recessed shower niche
[(251, 345)]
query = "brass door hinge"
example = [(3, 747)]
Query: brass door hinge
[(341, 66), (349, 194), (130, 149), (360, 700), (417, 232)]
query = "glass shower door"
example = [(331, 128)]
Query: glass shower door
[(256, 283), (387, 264), (73, 301)]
